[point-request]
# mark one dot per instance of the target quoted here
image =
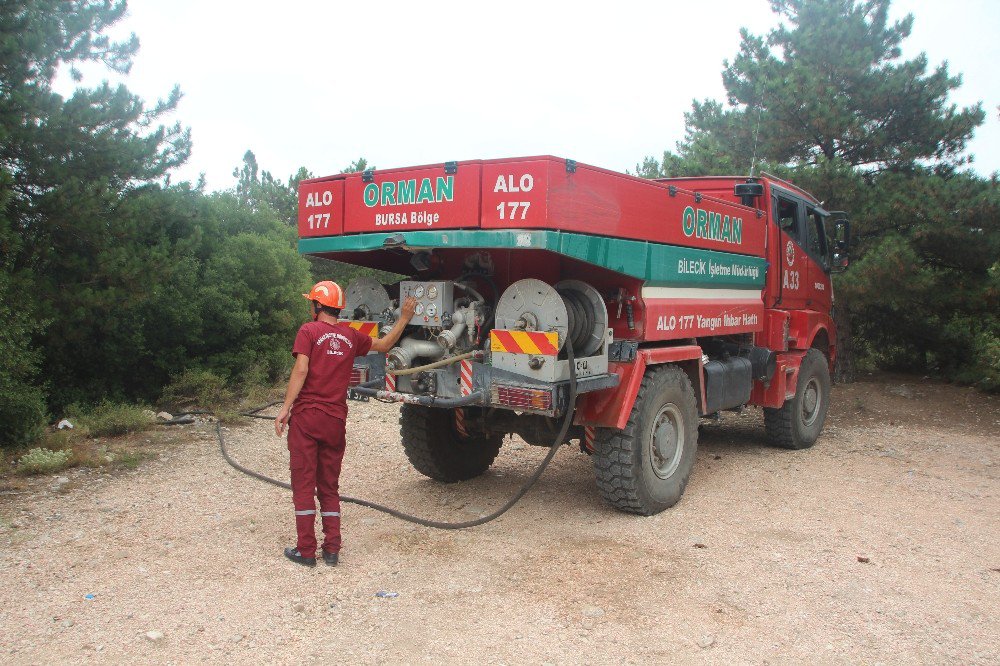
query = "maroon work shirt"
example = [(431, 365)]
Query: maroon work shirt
[(331, 349)]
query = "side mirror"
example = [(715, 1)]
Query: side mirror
[(842, 243), (840, 262)]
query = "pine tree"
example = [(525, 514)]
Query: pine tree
[(827, 101), (67, 165), (256, 188), (829, 85)]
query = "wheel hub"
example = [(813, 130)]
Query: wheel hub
[(810, 402), (666, 441)]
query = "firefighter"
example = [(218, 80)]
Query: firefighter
[(315, 411)]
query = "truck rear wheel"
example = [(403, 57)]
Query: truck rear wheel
[(644, 468), (437, 451), (797, 423)]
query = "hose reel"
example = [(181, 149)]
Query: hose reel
[(365, 299), (573, 309)]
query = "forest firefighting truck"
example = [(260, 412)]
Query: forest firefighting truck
[(677, 299)]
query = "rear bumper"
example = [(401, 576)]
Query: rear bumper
[(491, 387)]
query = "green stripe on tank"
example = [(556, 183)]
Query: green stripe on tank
[(655, 263)]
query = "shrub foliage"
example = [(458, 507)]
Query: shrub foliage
[(43, 461)]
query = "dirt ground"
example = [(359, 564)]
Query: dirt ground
[(759, 563)]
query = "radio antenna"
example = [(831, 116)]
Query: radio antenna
[(756, 135)]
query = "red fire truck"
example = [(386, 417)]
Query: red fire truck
[(675, 299)]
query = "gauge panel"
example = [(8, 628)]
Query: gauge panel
[(434, 300)]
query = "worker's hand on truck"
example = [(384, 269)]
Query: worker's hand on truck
[(408, 308), (389, 340)]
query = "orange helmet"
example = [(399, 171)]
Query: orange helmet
[(327, 293)]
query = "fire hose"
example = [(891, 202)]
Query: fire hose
[(436, 364), (560, 438)]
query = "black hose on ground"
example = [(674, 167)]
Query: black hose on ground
[(560, 438)]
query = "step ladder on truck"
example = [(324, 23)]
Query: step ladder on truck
[(677, 299)]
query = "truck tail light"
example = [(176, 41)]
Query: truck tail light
[(358, 376), (516, 397)]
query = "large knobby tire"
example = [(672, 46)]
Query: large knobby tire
[(436, 450), (644, 468), (798, 423)]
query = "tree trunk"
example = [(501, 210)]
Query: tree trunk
[(843, 368)]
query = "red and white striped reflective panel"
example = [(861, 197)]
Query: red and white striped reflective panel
[(390, 381), (589, 435), (466, 374)]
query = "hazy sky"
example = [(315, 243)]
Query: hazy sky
[(319, 84)]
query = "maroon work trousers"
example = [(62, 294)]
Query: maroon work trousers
[(316, 448)]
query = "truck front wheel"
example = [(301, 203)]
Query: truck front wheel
[(644, 468), (436, 449), (797, 423)]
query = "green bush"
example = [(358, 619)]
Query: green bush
[(257, 389), (22, 413), (985, 372), (22, 401), (42, 461), (201, 388), (57, 440), (111, 418)]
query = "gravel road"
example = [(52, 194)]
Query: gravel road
[(761, 562)]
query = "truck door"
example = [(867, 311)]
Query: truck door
[(818, 291), (790, 213)]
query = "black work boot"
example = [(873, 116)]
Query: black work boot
[(330, 558), (294, 555)]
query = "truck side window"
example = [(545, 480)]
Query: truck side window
[(817, 238), (786, 212)]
